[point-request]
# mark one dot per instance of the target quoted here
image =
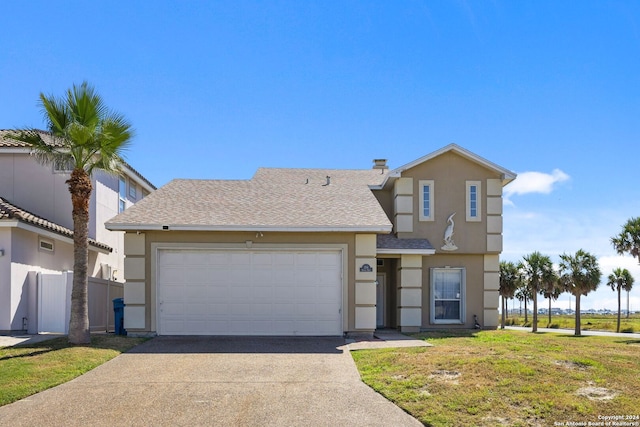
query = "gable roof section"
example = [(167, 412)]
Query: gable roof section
[(8, 143), (507, 175), (273, 200), (11, 212)]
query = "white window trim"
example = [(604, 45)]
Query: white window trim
[(478, 185), (122, 201), (421, 184), (463, 297), (68, 167), (133, 191), (42, 241)]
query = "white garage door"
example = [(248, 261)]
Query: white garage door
[(216, 292)]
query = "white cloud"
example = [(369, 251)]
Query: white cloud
[(534, 182)]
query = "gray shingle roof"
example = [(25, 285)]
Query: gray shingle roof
[(274, 199), (9, 211), (390, 241)]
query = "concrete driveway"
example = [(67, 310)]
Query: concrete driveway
[(218, 381)]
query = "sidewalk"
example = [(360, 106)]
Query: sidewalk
[(571, 332), (11, 340)]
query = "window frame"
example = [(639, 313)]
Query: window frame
[(421, 185), (478, 216), (51, 243), (463, 294), (133, 190), (66, 169), (122, 199)]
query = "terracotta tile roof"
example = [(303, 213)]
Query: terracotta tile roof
[(9, 211), (283, 199), (6, 142)]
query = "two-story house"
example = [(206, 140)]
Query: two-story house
[(318, 251), (36, 226)]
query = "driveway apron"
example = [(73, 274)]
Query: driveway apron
[(222, 381)]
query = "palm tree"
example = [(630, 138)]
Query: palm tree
[(551, 288), (82, 132), (618, 280), (579, 275), (509, 281), (523, 293), (629, 239), (537, 270)]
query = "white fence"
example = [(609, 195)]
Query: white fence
[(54, 302)]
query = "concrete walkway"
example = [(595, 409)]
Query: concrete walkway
[(11, 340), (230, 381), (571, 332)]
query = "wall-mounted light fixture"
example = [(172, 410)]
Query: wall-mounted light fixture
[(1, 252)]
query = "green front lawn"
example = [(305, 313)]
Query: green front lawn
[(510, 378), (29, 369)]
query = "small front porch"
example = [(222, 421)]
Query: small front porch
[(399, 277)]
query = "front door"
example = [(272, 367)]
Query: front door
[(380, 293)]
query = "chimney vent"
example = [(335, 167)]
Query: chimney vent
[(380, 164)]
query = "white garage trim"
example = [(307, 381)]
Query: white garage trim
[(255, 250)]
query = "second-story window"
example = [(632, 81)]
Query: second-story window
[(122, 194), (426, 189), (473, 201), (133, 193)]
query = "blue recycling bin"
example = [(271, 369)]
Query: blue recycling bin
[(118, 310)]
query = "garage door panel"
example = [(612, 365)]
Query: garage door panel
[(213, 292)]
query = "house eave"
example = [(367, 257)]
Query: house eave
[(379, 229), (506, 175), (48, 233), (405, 251)]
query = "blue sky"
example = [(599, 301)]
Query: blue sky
[(548, 89)]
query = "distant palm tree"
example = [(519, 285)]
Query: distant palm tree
[(579, 275), (551, 288), (83, 133), (629, 239), (523, 293), (509, 281), (537, 270), (618, 280)]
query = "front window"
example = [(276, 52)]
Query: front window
[(473, 201), (448, 295), (63, 165), (426, 188), (122, 194)]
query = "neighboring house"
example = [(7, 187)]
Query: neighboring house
[(36, 226), (318, 251)]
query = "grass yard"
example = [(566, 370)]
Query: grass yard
[(594, 322), (509, 378), (29, 369)]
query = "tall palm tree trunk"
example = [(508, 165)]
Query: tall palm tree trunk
[(80, 189), (618, 327), (526, 312), (549, 313), (577, 333), (534, 327)]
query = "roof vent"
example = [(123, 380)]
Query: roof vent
[(328, 181), (380, 164)]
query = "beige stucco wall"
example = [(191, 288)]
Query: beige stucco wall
[(474, 266), (450, 173), (143, 289)]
